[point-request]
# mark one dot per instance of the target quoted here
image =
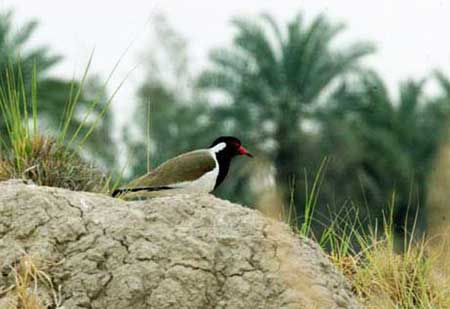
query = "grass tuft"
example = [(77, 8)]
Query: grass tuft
[(381, 272), (49, 163), (402, 280), (28, 154), (382, 275)]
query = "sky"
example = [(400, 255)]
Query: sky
[(411, 35)]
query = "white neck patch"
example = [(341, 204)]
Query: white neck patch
[(218, 147)]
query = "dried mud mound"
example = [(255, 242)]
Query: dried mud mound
[(186, 251)]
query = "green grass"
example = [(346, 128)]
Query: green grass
[(381, 275), (28, 153)]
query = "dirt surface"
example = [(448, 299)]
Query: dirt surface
[(186, 251)]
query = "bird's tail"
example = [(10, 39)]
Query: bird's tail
[(122, 191)]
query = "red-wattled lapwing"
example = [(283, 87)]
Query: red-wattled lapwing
[(196, 171)]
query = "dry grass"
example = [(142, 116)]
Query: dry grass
[(49, 163), (383, 276), (30, 280), (380, 274)]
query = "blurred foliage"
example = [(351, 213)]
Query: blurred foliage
[(294, 97), (273, 80), (171, 117), (19, 59), (386, 146)]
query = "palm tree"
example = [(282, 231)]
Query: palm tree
[(273, 79), (393, 142), (13, 49), (165, 106)]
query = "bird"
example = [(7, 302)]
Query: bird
[(199, 171)]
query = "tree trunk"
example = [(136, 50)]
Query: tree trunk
[(287, 158), (438, 209)]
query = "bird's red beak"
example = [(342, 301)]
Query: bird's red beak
[(243, 151)]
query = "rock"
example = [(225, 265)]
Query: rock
[(186, 251)]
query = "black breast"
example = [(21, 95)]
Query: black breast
[(224, 159)]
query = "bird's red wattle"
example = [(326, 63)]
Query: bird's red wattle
[(242, 150)]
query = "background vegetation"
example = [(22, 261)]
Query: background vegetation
[(294, 97), (305, 105)]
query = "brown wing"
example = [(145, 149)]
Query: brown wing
[(186, 167)]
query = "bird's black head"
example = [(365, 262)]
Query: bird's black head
[(225, 149), (230, 146)]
